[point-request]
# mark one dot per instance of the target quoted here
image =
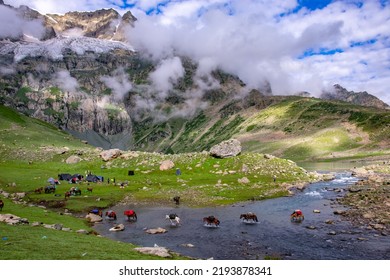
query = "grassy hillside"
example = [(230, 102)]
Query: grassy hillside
[(296, 128), (32, 151)]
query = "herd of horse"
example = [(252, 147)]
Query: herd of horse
[(250, 217)]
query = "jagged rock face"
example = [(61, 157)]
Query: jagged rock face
[(358, 98), (88, 107), (101, 24)]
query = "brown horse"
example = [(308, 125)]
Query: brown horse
[(111, 215), (67, 194), (211, 220), (39, 190), (1, 205), (249, 217), (89, 190), (131, 215)]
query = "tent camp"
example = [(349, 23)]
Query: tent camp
[(64, 176), (94, 178), (51, 181)]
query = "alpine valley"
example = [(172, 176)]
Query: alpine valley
[(84, 77)]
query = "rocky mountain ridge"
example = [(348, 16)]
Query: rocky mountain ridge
[(358, 98)]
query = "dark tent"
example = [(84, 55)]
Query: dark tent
[(78, 176), (101, 178), (92, 178), (64, 176)]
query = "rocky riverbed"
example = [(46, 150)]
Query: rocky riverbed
[(369, 198)]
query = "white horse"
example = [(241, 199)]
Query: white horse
[(174, 219)]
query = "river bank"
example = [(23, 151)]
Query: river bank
[(369, 199)]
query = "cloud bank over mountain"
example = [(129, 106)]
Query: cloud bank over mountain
[(295, 45)]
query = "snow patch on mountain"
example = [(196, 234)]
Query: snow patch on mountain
[(55, 48)]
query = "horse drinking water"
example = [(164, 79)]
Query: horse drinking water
[(131, 215), (111, 215), (173, 218)]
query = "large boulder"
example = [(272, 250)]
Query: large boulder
[(110, 154), (166, 165), (73, 159), (93, 218), (119, 227), (229, 148)]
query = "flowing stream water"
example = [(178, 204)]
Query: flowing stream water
[(274, 235)]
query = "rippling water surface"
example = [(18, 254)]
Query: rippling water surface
[(274, 235)]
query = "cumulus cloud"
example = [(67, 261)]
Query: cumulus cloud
[(293, 47), (65, 81), (119, 84), (167, 74), (304, 50), (13, 26)]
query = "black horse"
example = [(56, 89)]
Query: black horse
[(1, 205), (176, 199)]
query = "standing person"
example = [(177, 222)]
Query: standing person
[(108, 180)]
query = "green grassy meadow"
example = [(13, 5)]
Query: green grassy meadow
[(32, 151)]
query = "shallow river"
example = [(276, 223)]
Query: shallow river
[(274, 235)]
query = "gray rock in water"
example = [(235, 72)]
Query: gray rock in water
[(229, 148), (119, 227), (156, 230)]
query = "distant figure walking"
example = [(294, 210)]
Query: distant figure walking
[(1, 205), (178, 171)]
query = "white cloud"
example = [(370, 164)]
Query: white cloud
[(259, 41), (12, 25), (65, 81), (167, 74), (263, 40), (119, 84)]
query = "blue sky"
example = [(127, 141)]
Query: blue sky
[(309, 45)]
